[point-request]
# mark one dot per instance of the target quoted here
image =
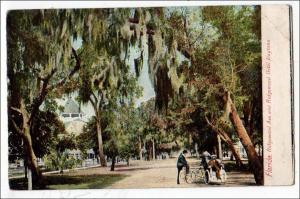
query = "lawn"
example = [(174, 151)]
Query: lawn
[(71, 182)]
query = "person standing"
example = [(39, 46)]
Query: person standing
[(181, 162), (205, 158)]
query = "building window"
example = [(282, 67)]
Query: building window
[(66, 115), (74, 115)]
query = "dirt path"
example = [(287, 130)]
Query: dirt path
[(151, 178), (159, 174), (163, 174)]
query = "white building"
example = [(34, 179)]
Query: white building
[(71, 112), (74, 120)]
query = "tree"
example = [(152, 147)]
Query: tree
[(40, 61), (119, 132), (106, 77), (88, 138), (58, 157), (45, 130), (122, 131), (241, 47), (230, 47)]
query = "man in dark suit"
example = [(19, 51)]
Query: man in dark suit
[(181, 162)]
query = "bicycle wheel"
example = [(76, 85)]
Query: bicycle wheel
[(194, 176), (223, 176), (182, 174), (189, 178), (202, 175), (206, 177)]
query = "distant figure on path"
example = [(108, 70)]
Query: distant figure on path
[(181, 162)]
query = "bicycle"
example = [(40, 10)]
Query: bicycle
[(207, 176), (186, 176), (198, 173)]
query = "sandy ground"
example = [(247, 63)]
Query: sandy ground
[(159, 174)]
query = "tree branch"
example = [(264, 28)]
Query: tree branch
[(198, 37), (42, 93), (101, 101), (93, 104), (103, 72), (45, 87), (16, 109), (16, 127), (95, 98), (208, 122), (216, 129), (69, 76)]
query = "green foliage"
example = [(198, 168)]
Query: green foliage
[(222, 46), (88, 138), (60, 161), (122, 132), (195, 55), (58, 157), (45, 131)]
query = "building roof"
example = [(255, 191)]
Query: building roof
[(72, 107)]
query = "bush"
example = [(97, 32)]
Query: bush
[(60, 161)]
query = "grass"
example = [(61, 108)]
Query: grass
[(70, 182)]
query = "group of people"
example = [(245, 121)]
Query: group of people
[(207, 161)]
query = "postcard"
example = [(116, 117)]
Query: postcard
[(149, 97)]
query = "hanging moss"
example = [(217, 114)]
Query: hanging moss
[(151, 25), (151, 46), (133, 39), (163, 89), (138, 65)]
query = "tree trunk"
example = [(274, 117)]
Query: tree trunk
[(29, 179), (35, 172), (215, 150), (190, 140), (100, 143), (196, 150), (113, 162), (220, 152), (140, 148), (251, 122), (24, 132), (25, 167), (127, 160), (255, 164), (153, 148), (248, 111), (230, 144)]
